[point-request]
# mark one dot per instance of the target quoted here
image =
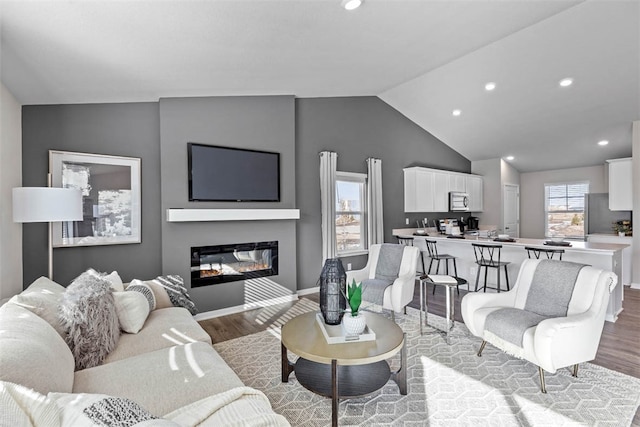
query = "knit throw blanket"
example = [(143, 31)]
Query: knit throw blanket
[(387, 270), (549, 296)]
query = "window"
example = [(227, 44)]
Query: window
[(564, 207), (351, 205)]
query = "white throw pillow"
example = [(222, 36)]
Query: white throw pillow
[(115, 280), (132, 309)]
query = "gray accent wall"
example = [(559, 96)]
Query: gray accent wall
[(262, 123), (130, 130), (358, 128), (299, 129)]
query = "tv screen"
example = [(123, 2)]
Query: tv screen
[(233, 174)]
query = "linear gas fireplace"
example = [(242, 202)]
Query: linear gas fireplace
[(211, 265)]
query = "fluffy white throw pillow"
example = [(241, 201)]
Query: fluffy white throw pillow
[(132, 309)]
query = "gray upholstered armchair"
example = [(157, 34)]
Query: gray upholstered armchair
[(553, 317), (389, 278)]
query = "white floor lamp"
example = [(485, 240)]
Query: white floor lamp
[(47, 204)]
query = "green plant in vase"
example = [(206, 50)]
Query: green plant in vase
[(354, 323), (354, 296)]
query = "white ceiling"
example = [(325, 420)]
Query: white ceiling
[(424, 58)]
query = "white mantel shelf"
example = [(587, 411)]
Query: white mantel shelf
[(203, 215)]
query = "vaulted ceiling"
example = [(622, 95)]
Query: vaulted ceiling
[(424, 58)]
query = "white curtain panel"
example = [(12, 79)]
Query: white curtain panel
[(375, 225), (328, 163)]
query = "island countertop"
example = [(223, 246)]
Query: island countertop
[(576, 245), (607, 256)]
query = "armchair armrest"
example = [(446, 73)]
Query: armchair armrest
[(565, 341)]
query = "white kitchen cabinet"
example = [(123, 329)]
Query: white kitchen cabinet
[(475, 190), (418, 190), (620, 185), (627, 253), (427, 190), (440, 191), (457, 182)]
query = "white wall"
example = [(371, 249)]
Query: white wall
[(532, 193), (492, 195), (496, 173), (10, 176)]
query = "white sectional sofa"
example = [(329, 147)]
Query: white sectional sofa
[(169, 365)]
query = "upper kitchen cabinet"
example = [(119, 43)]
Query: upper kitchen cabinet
[(458, 182), (620, 185), (418, 190), (474, 188), (427, 190), (442, 186)]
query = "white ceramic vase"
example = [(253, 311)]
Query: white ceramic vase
[(354, 325)]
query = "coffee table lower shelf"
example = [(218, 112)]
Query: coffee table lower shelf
[(351, 380)]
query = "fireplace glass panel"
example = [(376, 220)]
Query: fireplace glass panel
[(229, 263)]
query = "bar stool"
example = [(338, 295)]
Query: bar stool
[(432, 249), (550, 253), (488, 256)]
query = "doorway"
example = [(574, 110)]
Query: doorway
[(511, 210)]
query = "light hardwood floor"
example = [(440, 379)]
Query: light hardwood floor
[(619, 347)]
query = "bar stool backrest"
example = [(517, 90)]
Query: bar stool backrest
[(550, 253), (432, 247), (407, 241), (487, 254)]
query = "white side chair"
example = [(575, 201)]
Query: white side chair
[(397, 296), (555, 342)]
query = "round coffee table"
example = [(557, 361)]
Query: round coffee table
[(344, 370)]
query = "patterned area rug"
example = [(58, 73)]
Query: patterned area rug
[(447, 385)]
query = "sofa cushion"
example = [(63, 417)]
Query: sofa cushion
[(132, 309), (89, 316), (32, 353), (163, 380), (42, 297), (164, 328)]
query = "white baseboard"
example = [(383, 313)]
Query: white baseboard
[(244, 307), (635, 285), (309, 290)]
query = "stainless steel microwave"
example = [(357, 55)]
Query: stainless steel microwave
[(458, 201)]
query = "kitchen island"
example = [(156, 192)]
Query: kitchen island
[(607, 256)]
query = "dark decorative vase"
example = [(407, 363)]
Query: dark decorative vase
[(333, 286)]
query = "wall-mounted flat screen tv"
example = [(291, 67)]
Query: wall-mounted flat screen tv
[(224, 174)]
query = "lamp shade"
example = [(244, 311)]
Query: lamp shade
[(46, 204)]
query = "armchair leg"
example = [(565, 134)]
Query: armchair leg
[(393, 315), (405, 309), (574, 371), (543, 387), (481, 348)]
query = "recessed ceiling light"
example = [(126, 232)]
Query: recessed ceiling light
[(490, 86), (456, 112), (509, 157), (351, 4), (603, 142), (566, 82)]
